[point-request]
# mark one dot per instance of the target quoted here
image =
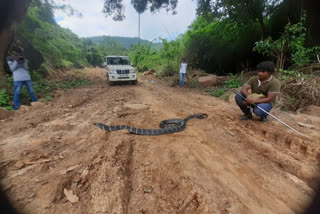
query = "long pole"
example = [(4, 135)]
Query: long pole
[(139, 28), (272, 116)]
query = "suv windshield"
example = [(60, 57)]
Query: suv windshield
[(118, 61)]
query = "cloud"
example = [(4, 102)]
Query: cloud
[(153, 25)]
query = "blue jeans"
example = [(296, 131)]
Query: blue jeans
[(246, 109), (182, 76), (17, 88)]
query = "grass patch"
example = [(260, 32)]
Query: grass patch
[(43, 89), (227, 98), (290, 74), (215, 92), (234, 81), (5, 99), (67, 84), (193, 83)]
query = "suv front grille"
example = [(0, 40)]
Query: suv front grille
[(122, 71)]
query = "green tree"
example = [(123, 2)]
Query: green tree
[(219, 46), (116, 9), (291, 44), (204, 8), (164, 60), (240, 11)]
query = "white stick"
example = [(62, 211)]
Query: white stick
[(274, 117), (279, 120)]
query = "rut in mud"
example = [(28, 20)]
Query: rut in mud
[(54, 160)]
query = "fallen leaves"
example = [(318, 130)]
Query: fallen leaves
[(69, 169), (70, 196)]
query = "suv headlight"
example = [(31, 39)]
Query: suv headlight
[(132, 71), (113, 71)]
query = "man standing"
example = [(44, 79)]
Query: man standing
[(183, 71), (19, 68), (264, 89)]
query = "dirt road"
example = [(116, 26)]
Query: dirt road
[(53, 160)]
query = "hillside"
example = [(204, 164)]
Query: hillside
[(126, 42), (49, 46)]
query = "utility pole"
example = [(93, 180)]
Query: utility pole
[(139, 28)]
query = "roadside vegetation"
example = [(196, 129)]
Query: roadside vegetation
[(43, 88), (220, 41)]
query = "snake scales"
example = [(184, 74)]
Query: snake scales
[(166, 126)]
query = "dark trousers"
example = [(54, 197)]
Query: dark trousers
[(246, 109)]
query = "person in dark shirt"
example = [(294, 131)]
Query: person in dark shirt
[(264, 89)]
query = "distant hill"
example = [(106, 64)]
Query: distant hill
[(126, 42)]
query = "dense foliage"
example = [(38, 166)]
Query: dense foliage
[(56, 46), (165, 60), (219, 47), (289, 47), (227, 37), (49, 46), (121, 42), (232, 36), (220, 40)]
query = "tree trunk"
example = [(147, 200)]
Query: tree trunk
[(263, 29), (6, 38), (313, 19), (12, 12)]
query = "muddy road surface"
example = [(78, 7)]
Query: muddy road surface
[(54, 160)]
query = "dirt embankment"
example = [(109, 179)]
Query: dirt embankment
[(53, 160)]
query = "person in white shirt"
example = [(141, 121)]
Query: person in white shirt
[(183, 71), (19, 68)]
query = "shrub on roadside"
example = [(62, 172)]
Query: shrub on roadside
[(5, 99), (299, 92), (235, 81), (216, 92)]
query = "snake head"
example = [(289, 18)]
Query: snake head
[(100, 125), (202, 116)]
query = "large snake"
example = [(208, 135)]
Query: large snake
[(166, 126)]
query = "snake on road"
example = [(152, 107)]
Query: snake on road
[(166, 126)]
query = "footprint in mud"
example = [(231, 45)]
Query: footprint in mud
[(299, 147), (288, 142), (303, 149), (318, 156), (191, 203)]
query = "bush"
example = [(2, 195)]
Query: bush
[(290, 45), (218, 46), (193, 83), (290, 74), (216, 92), (5, 99), (235, 81), (164, 60), (168, 70), (297, 93)]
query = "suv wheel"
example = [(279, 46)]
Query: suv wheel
[(134, 82)]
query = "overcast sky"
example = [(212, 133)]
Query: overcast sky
[(153, 25)]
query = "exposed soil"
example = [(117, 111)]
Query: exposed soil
[(216, 165)]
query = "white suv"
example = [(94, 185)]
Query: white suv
[(119, 69)]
